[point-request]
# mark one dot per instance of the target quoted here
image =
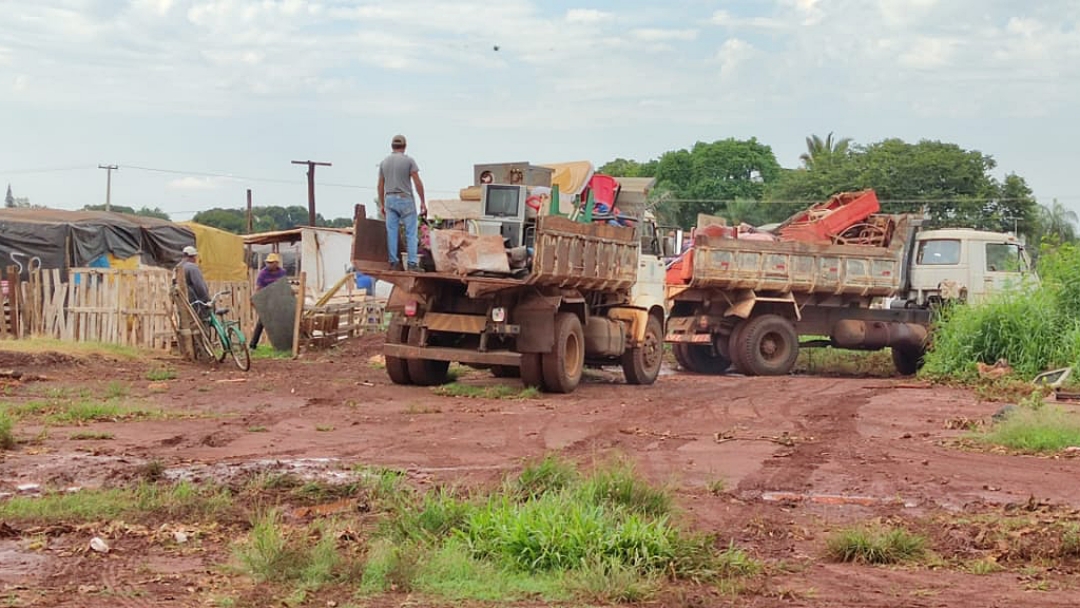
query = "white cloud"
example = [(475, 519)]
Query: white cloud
[(726, 19), (189, 183), (928, 53), (586, 15), (19, 83), (662, 35)]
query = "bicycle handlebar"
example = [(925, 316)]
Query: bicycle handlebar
[(217, 295)]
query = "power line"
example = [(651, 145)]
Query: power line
[(45, 170), (270, 180)]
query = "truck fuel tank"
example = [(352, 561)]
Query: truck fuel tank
[(875, 335), (604, 337)]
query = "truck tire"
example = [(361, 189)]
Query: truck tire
[(396, 367), (425, 372), (641, 364), (735, 350), (768, 345), (907, 361), (682, 357), (505, 371), (566, 361), (532, 371)]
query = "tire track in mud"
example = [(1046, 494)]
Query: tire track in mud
[(832, 422)]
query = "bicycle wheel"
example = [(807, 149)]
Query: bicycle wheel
[(204, 341), (239, 348)]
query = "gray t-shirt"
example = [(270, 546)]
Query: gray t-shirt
[(396, 171)]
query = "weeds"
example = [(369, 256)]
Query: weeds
[(116, 390), (181, 500), (258, 429), (495, 391), (161, 374), (1038, 430), (875, 545), (1033, 329), (91, 436), (7, 431), (717, 487), (844, 362)]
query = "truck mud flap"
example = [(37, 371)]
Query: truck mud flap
[(500, 357), (536, 317)]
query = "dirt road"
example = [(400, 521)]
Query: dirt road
[(773, 464)]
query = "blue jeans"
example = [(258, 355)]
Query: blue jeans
[(401, 210)]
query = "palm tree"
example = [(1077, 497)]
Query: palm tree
[(1059, 221), (820, 150)]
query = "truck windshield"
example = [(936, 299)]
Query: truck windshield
[(1004, 257), (939, 252)]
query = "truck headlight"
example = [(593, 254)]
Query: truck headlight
[(410, 309), (498, 314)]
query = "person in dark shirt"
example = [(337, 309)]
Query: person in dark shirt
[(271, 271), (196, 285)]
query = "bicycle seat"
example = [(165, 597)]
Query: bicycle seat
[(221, 312)]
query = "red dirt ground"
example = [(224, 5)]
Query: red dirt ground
[(798, 457)]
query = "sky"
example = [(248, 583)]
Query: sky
[(199, 100)]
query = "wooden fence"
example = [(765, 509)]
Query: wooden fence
[(134, 308), (114, 306)]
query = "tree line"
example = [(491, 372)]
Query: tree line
[(742, 181), (263, 219)]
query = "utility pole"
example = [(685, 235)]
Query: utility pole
[(249, 210), (108, 183), (311, 186)]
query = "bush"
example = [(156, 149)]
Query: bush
[(1033, 329), (7, 434)]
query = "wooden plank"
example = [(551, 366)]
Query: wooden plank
[(299, 314)]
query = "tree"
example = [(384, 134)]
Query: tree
[(265, 219), (821, 152), (953, 186), (9, 200), (704, 179), (1056, 222), (231, 220), (144, 211)]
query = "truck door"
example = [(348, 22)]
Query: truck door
[(1004, 266)]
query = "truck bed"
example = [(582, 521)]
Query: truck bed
[(588, 257), (795, 267)]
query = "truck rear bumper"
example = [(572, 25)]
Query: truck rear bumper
[(689, 338), (456, 355)]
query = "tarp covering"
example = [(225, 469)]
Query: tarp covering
[(571, 177), (55, 238), (221, 253)]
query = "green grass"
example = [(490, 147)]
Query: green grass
[(181, 500), (265, 353), (7, 431), (495, 391), (875, 544), (91, 436), (550, 533), (161, 374), (717, 487), (67, 410), (1042, 430), (1034, 329), (48, 345), (116, 390), (258, 429), (842, 362)]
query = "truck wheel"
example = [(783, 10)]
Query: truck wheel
[(641, 365), (735, 350), (907, 361), (396, 367), (769, 345), (682, 357), (425, 372), (564, 364), (532, 371), (505, 371)]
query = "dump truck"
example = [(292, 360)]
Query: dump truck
[(575, 290), (745, 303)]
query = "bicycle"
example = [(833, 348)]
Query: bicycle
[(226, 338)]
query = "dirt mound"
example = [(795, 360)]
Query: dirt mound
[(29, 361), (361, 347)]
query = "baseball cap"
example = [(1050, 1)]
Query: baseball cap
[(399, 140), (190, 251), (273, 257)]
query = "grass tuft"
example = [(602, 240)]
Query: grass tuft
[(181, 500), (495, 391), (160, 374), (91, 436), (1038, 430), (875, 545), (7, 431)]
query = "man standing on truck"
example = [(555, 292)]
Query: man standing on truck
[(397, 174)]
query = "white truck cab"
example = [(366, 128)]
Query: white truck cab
[(964, 264)]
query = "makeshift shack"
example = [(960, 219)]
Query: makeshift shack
[(320, 259), (48, 239)]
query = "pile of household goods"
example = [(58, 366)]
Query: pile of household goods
[(847, 218), (491, 229)]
